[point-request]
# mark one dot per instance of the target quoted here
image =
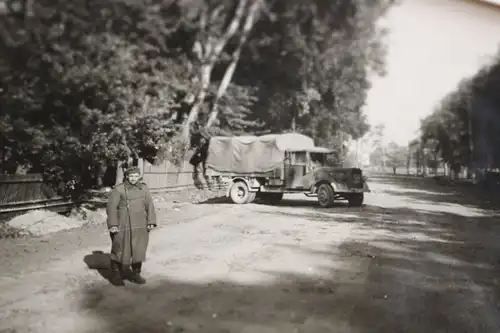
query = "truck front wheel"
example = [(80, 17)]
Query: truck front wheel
[(239, 193), (326, 195)]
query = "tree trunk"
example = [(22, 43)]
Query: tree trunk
[(213, 49), (417, 160), (436, 163), (4, 158), (228, 75), (470, 167), (408, 161), (384, 158), (205, 73), (214, 112), (119, 173), (101, 171)]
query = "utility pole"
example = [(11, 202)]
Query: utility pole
[(384, 156), (2, 150), (471, 142), (357, 153), (341, 144)]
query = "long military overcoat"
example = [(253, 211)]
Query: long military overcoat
[(131, 209)]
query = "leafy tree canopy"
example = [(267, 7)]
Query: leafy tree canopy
[(464, 126), (86, 83)]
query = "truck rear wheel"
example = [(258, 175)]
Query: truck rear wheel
[(239, 193), (356, 200), (326, 195), (251, 197)]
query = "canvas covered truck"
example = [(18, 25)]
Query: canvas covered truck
[(268, 166)]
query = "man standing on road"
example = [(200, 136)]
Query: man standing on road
[(131, 215)]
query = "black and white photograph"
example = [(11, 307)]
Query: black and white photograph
[(250, 166)]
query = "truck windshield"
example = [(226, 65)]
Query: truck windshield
[(332, 160), (318, 159)]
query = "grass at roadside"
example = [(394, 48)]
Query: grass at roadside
[(6, 231)]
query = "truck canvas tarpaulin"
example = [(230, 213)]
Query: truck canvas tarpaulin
[(253, 154)]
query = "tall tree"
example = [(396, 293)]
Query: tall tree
[(214, 24), (88, 83), (317, 48), (78, 88), (465, 124)]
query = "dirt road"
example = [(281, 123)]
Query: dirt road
[(412, 259)]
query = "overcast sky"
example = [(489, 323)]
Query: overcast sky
[(433, 44)]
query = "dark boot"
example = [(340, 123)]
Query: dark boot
[(116, 277), (136, 277)]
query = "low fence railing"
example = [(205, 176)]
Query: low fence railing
[(23, 193)]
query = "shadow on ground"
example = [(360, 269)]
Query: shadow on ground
[(408, 270), (287, 202), (431, 189), (100, 262), (216, 200)]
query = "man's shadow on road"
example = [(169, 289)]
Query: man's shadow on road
[(101, 262)]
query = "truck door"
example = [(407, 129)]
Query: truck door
[(295, 169)]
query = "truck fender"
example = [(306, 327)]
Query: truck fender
[(335, 186), (366, 187), (316, 186), (249, 182)]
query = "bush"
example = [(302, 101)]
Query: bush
[(7, 231)]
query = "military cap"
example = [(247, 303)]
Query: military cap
[(131, 170)]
